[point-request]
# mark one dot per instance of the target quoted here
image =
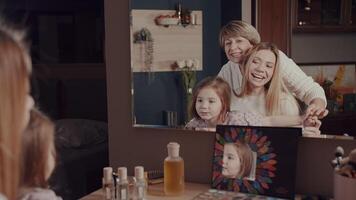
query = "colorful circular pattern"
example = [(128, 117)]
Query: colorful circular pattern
[(265, 162)]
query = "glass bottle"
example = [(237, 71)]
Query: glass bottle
[(108, 184), (173, 171), (122, 186), (140, 185)]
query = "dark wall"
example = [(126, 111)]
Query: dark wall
[(67, 42), (159, 91)]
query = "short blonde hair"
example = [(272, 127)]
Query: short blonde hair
[(237, 28)]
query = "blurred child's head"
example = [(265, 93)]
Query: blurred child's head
[(237, 160), (211, 99), (38, 151), (236, 38)]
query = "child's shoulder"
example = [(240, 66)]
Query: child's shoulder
[(196, 123), (38, 194)]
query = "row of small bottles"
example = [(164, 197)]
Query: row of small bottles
[(116, 185)]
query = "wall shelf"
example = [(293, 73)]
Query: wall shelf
[(170, 44)]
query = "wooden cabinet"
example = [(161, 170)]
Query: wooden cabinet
[(324, 15), (273, 22)]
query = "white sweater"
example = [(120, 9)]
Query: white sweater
[(256, 104), (297, 82)]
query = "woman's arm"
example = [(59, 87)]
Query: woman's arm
[(303, 86)]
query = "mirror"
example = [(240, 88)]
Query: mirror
[(159, 89)]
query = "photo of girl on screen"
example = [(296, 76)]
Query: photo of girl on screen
[(239, 161)]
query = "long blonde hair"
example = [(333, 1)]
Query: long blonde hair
[(15, 66), (275, 88)]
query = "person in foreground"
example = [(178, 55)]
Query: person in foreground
[(237, 37), (38, 158), (15, 104)]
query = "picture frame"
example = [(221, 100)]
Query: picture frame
[(263, 163)]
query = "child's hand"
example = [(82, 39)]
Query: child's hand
[(311, 125), (317, 108)]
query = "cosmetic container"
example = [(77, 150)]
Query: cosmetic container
[(108, 184), (140, 184), (122, 185), (173, 171)]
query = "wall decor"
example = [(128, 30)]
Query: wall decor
[(171, 40)]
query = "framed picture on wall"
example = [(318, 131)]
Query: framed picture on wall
[(258, 160)]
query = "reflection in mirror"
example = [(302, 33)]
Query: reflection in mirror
[(167, 59), (174, 45)]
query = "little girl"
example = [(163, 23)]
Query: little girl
[(211, 106), (38, 158)]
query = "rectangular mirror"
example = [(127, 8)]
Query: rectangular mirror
[(167, 36)]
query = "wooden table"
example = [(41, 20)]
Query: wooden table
[(155, 192)]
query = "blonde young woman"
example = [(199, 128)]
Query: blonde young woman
[(263, 91), (15, 103)]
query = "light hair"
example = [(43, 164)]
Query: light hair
[(245, 155), (37, 145), (275, 88), (222, 89), (15, 67), (237, 28)]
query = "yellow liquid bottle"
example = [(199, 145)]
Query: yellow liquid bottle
[(173, 171)]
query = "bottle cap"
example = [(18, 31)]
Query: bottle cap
[(139, 172), (173, 149), (122, 173), (107, 174)]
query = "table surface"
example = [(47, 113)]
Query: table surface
[(155, 192)]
